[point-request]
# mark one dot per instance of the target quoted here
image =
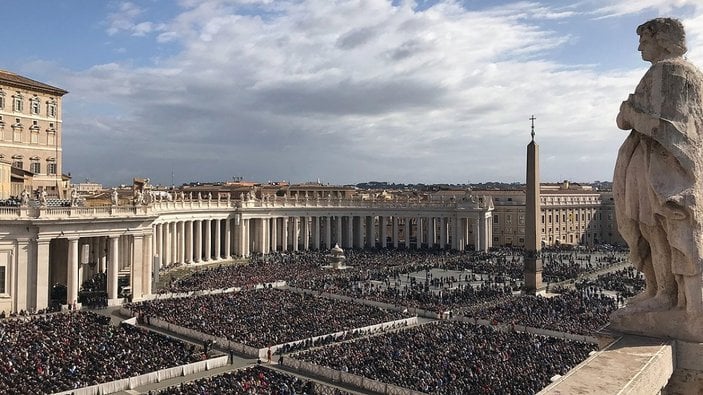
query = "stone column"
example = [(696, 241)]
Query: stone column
[(218, 238), (338, 231), (406, 231), (189, 241), (370, 234), (296, 232), (137, 266), (382, 230), (167, 244), (18, 276), (158, 246), (419, 233), (147, 267), (245, 237), (358, 232), (443, 232), (328, 232), (316, 232), (112, 267), (174, 242), (228, 238), (263, 235), (477, 235), (198, 227), (181, 241), (72, 272), (102, 246), (208, 240), (489, 226), (41, 269), (482, 231), (274, 233), (306, 233), (431, 232), (284, 234), (349, 243), (395, 231)]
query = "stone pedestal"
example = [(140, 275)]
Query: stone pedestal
[(672, 324), (631, 365)]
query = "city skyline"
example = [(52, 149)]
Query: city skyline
[(345, 92)]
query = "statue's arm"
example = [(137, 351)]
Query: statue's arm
[(632, 117), (663, 113)]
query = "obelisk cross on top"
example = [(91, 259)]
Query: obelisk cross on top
[(533, 229)]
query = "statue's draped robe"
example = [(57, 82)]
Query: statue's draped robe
[(659, 170)]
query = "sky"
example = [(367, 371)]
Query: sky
[(427, 91)]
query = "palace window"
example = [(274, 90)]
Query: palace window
[(3, 288), (50, 137), (17, 164), (17, 132), (35, 167), (51, 108), (2, 99), (17, 105), (34, 105), (51, 167), (495, 219)]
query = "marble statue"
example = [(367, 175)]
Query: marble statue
[(74, 197), (42, 197), (658, 184), (138, 198), (24, 198), (114, 197)]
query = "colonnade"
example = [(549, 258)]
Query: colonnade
[(135, 247), (193, 240), (129, 254), (204, 240)]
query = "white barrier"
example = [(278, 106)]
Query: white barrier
[(532, 330), (149, 378), (348, 378), (217, 362), (144, 379), (263, 352), (373, 385)]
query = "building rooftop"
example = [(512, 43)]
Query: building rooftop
[(19, 81)]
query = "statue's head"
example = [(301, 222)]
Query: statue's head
[(662, 38)]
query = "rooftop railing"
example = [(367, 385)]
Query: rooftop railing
[(187, 205)]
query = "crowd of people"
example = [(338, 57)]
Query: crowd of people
[(626, 282), (64, 351), (453, 357), (573, 311), (562, 266), (264, 317), (253, 380)]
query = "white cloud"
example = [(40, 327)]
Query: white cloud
[(347, 91), (623, 7), (125, 19)]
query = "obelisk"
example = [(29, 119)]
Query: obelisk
[(533, 231)]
